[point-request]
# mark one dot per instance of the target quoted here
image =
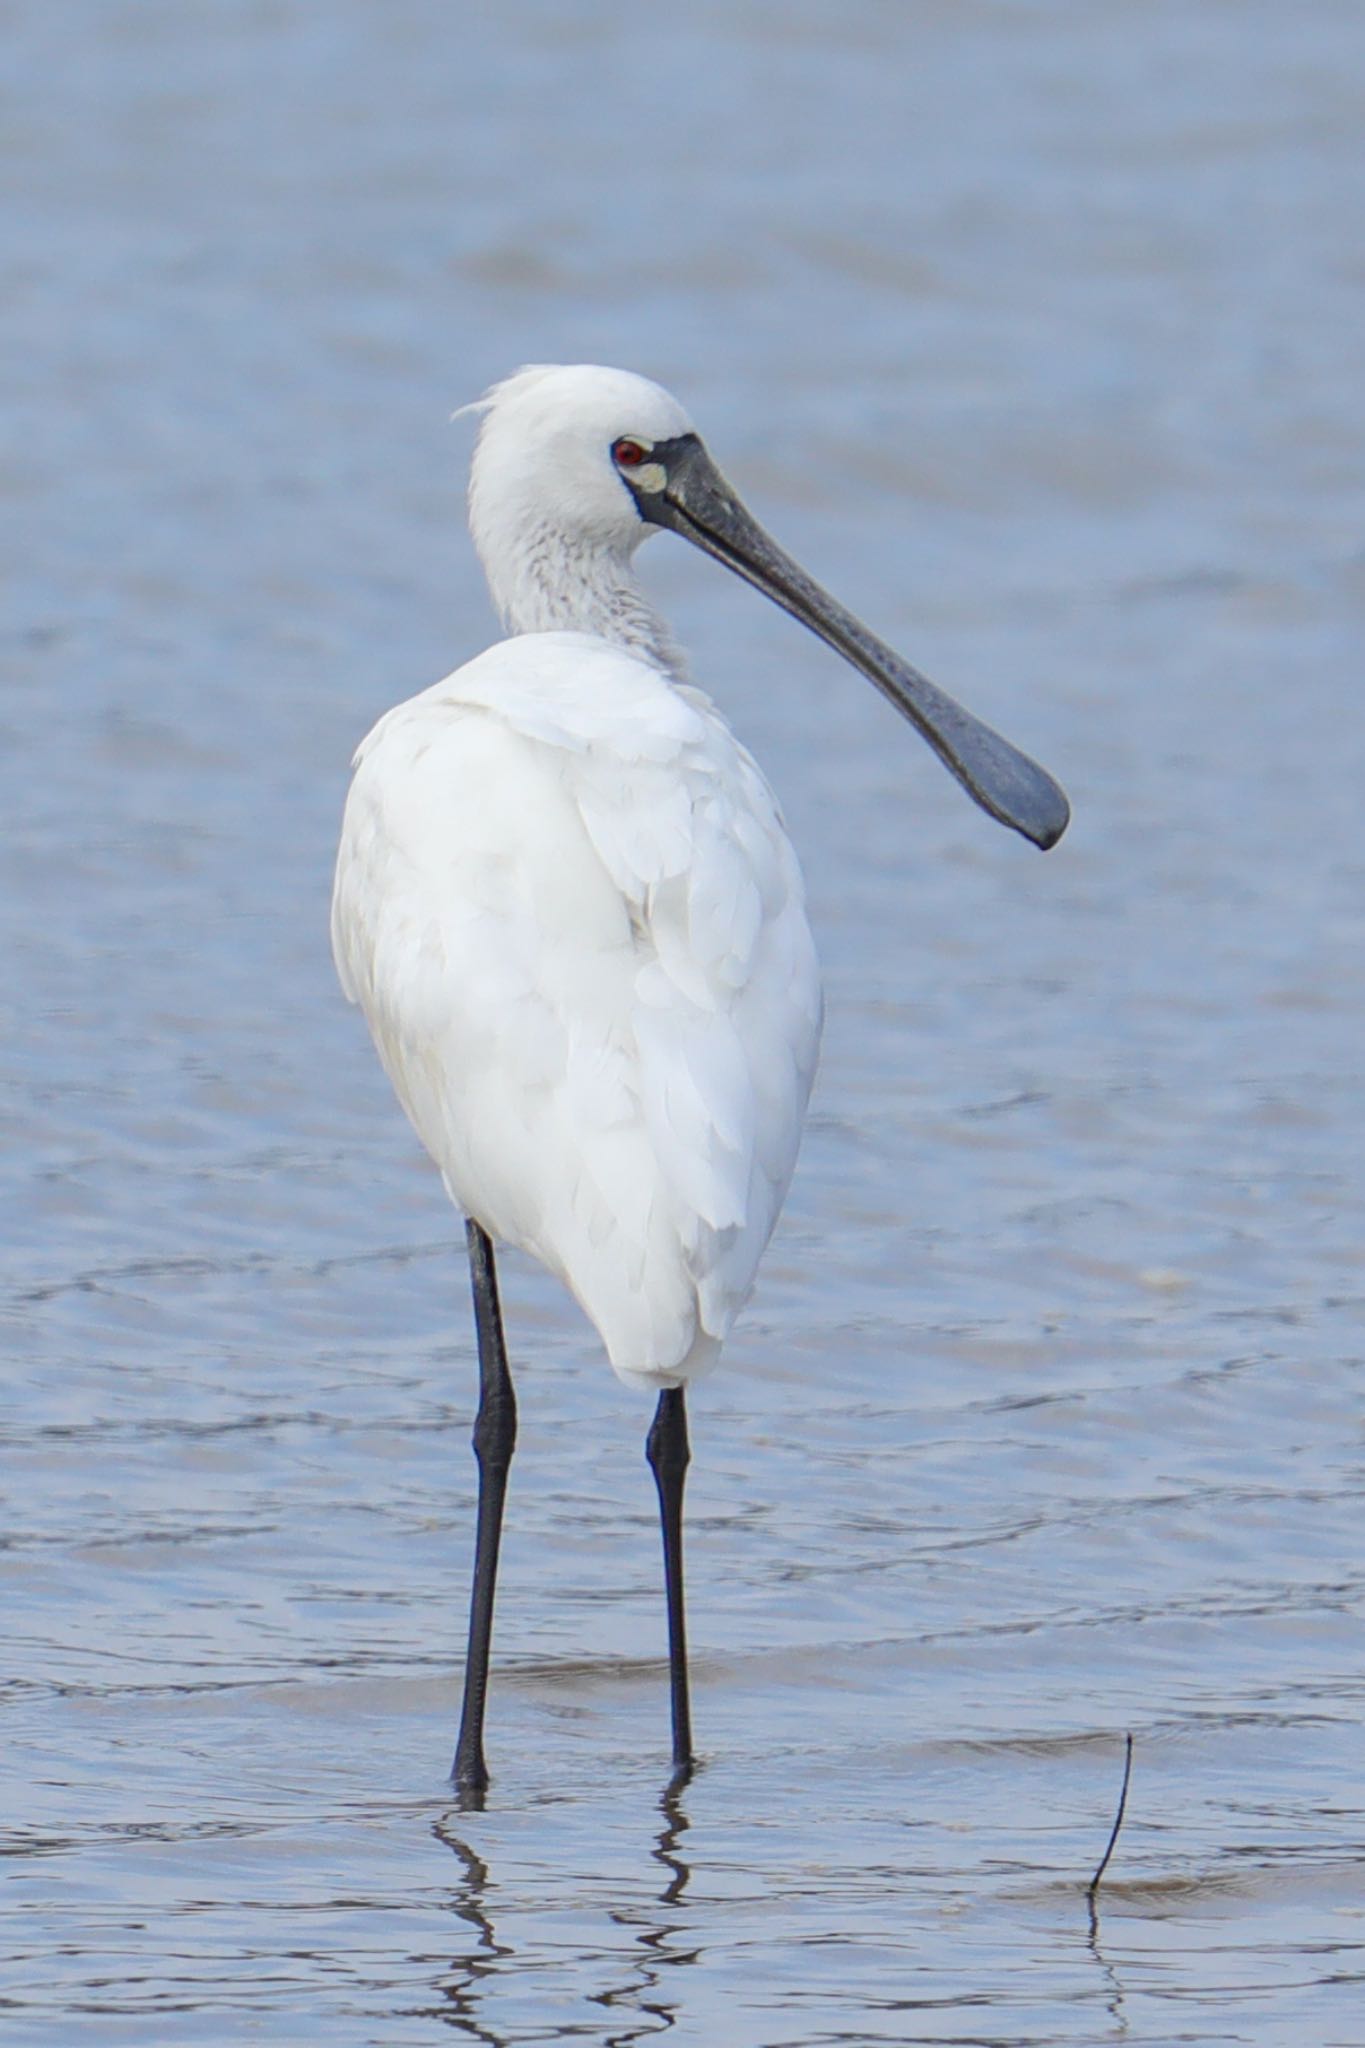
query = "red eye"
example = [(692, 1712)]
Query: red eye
[(628, 454)]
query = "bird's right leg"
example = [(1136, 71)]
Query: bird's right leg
[(669, 1455), (495, 1436)]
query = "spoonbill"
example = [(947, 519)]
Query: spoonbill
[(568, 907)]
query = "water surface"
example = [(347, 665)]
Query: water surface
[(1034, 329)]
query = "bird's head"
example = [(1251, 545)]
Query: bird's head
[(571, 450), (576, 465)]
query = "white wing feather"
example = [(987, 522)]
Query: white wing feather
[(568, 907)]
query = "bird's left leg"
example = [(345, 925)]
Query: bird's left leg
[(495, 1436), (669, 1454)]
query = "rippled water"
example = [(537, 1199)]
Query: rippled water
[(1035, 330)]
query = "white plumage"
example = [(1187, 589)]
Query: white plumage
[(567, 905)]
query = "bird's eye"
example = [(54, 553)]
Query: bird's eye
[(628, 454)]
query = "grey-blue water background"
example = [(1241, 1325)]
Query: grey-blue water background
[(1035, 329)]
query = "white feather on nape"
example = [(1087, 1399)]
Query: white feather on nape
[(532, 372)]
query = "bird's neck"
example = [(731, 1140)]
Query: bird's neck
[(555, 584)]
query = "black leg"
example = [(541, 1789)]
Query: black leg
[(668, 1452), (495, 1436)]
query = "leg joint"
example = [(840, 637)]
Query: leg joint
[(666, 1447), (495, 1426)]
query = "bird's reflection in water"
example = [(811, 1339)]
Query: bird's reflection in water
[(657, 1950), (665, 1849), (463, 1987), (640, 1998)]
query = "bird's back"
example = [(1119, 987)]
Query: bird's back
[(568, 907)]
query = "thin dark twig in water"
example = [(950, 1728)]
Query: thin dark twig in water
[(1094, 1884)]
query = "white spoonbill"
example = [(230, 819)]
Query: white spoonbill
[(568, 907)]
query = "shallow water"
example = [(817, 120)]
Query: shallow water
[(1034, 329)]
